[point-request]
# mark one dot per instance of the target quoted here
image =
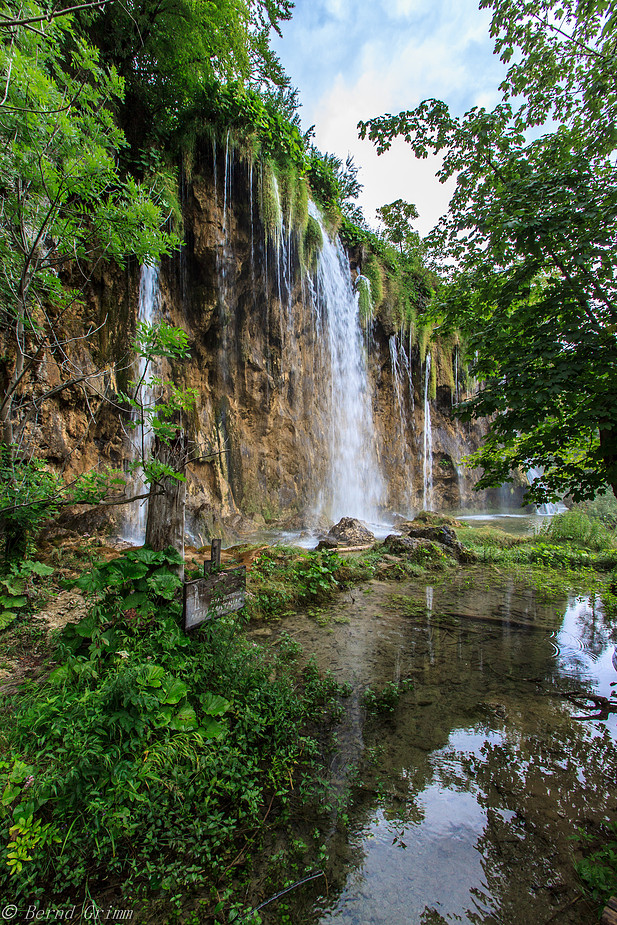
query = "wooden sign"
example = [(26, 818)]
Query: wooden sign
[(208, 598), (609, 916)]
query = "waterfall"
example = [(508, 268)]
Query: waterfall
[(142, 437), (354, 486), (427, 493), (549, 507), (397, 359)]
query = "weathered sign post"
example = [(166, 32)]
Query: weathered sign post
[(217, 594)]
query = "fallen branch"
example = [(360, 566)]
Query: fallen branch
[(282, 893), (603, 704)]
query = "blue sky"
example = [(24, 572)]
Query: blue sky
[(355, 59)]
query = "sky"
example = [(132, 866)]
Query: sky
[(357, 59)]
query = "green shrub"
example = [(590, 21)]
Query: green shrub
[(598, 870), (577, 528), (147, 754)]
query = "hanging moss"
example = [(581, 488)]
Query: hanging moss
[(365, 303), (372, 270), (424, 336), (301, 215), (391, 310), (288, 185), (312, 243), (432, 389), (269, 201), (409, 321)]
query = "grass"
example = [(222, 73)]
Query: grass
[(570, 540)]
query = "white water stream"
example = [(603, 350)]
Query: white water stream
[(142, 437), (427, 488), (354, 484)]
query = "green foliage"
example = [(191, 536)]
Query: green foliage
[(334, 186), (385, 700), (561, 64), (365, 302), (397, 218), (530, 237), (579, 529), (270, 203), (372, 270), (183, 63), (312, 243), (598, 870), (17, 587), (424, 333), (569, 541), (62, 184), (603, 508), (282, 578), (148, 756)]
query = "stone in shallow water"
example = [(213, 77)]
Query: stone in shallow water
[(351, 532)]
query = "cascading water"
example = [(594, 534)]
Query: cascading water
[(427, 488), (142, 437), (397, 360), (549, 507), (355, 486)]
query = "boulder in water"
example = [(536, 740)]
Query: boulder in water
[(351, 532), (327, 542)]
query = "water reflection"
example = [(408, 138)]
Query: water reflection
[(469, 794)]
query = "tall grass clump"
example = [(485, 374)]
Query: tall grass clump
[(578, 529)]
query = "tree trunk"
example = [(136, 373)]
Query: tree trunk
[(165, 523)]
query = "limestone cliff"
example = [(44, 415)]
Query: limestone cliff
[(262, 364)]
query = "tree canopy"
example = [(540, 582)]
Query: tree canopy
[(529, 241), (174, 54)]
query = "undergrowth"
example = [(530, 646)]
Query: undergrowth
[(569, 540), (148, 759)]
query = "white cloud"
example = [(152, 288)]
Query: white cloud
[(356, 61), (395, 174)]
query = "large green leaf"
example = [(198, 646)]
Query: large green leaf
[(174, 690), (185, 720), (6, 618), (212, 729), (214, 704), (164, 583), (41, 569), (151, 676)]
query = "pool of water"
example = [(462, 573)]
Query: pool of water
[(459, 807), (520, 524)]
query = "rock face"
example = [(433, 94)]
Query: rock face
[(260, 363)]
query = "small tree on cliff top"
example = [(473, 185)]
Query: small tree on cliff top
[(532, 227)]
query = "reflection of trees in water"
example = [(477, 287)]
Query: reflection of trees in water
[(595, 635), (536, 791), (474, 658)]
